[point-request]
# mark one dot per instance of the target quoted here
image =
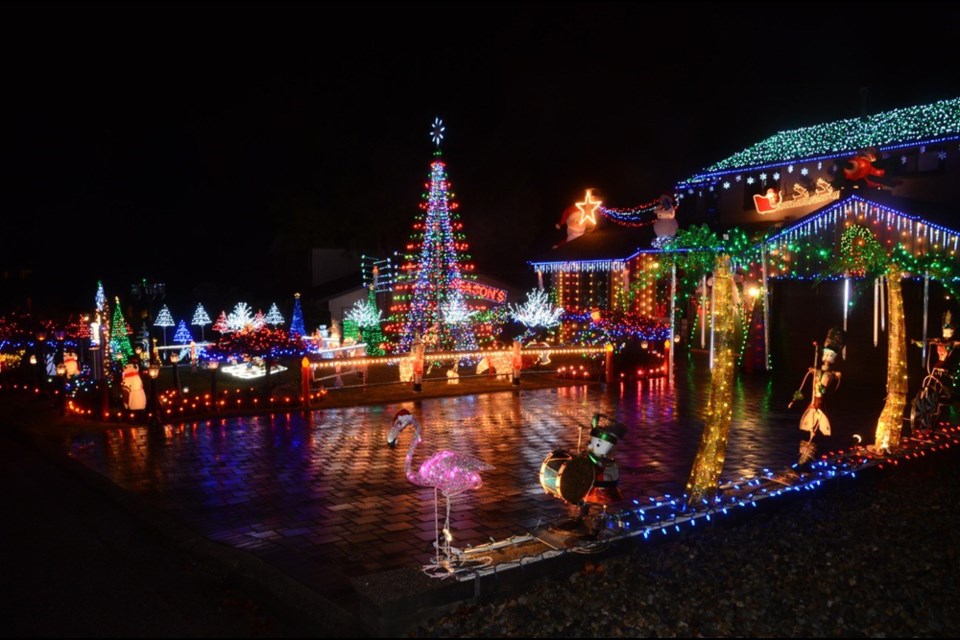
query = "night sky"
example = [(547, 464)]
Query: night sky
[(209, 146)]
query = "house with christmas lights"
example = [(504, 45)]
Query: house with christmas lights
[(895, 173), (591, 269), (603, 274)]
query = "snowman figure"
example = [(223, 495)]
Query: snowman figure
[(70, 363), (134, 397), (603, 442), (666, 225)]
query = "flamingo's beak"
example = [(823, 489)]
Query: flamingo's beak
[(394, 434)]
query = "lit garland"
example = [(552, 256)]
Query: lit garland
[(708, 465), (694, 252), (613, 327), (799, 251), (631, 217), (889, 130), (939, 267), (890, 424), (860, 253)]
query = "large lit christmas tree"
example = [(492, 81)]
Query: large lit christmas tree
[(428, 301)]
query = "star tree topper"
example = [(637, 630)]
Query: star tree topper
[(436, 132), (588, 209)]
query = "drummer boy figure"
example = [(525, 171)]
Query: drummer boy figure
[(603, 442)]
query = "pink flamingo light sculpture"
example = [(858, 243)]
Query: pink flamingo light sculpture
[(448, 472)]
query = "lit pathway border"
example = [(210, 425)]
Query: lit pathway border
[(665, 515)]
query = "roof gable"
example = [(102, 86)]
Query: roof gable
[(916, 226)]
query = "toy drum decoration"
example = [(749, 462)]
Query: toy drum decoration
[(566, 476)]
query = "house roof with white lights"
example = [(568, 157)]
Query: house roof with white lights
[(898, 128)]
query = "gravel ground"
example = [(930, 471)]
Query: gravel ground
[(873, 557)]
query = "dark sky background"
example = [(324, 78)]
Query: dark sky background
[(209, 146)]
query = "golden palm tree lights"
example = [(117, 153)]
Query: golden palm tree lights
[(890, 423), (708, 465)]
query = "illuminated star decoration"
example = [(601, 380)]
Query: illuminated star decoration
[(588, 208), (436, 133)]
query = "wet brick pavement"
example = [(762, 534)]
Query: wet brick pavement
[(322, 498)]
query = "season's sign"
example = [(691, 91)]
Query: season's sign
[(482, 291)]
